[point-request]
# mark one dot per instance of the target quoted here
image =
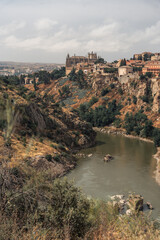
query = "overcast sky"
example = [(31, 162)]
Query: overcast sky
[(46, 30)]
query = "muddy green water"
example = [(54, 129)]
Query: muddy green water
[(132, 170)]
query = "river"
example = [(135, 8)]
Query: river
[(131, 171)]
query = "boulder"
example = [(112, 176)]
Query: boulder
[(149, 205), (135, 202), (108, 158), (113, 197), (120, 197)]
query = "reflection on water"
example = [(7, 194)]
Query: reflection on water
[(132, 169)]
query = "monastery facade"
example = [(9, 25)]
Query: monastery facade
[(80, 61)]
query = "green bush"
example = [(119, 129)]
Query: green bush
[(104, 91), (112, 86), (92, 101), (57, 158), (117, 122), (148, 74), (120, 91), (69, 208), (61, 147), (49, 157), (58, 73), (134, 99)]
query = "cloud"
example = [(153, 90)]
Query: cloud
[(41, 43), (104, 30), (45, 24), (102, 38), (11, 27), (53, 28)]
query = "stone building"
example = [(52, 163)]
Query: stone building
[(143, 56), (153, 67), (124, 70), (80, 61)]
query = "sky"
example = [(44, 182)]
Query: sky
[(46, 30)]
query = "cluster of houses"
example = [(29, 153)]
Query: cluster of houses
[(141, 63)]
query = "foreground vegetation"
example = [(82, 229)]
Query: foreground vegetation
[(35, 206)]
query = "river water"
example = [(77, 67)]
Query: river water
[(131, 171)]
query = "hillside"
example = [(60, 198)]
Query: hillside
[(131, 92), (38, 130)]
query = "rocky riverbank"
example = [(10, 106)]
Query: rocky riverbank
[(157, 172), (130, 205), (120, 131)]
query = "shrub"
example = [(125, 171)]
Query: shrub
[(120, 91), (117, 123), (104, 91), (92, 101), (142, 77), (134, 99), (112, 86), (60, 146), (69, 208), (156, 137), (58, 73), (49, 157), (57, 158), (148, 74)]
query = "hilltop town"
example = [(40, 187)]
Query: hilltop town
[(141, 63)]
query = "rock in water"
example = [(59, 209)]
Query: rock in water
[(90, 155), (135, 202), (108, 158), (149, 205)]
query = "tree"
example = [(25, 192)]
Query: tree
[(73, 75), (148, 74), (99, 60), (58, 73), (44, 77), (148, 129), (34, 84), (123, 62)]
